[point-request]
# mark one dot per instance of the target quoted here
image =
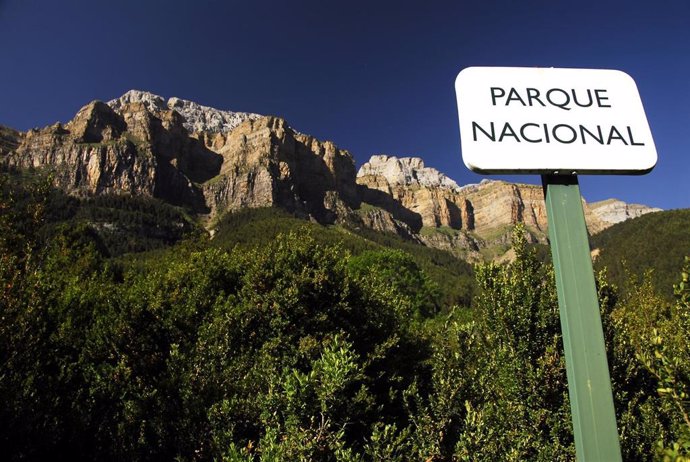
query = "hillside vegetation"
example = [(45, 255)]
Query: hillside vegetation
[(255, 227), (313, 344), (657, 242)]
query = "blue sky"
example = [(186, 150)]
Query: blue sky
[(374, 77)]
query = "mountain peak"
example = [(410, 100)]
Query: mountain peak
[(203, 118), (153, 102), (197, 118), (406, 171), (613, 211)]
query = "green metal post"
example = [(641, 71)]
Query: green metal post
[(589, 383)]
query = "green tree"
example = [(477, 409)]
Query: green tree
[(658, 333), (518, 405), (398, 270), (295, 297)]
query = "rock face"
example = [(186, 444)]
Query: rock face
[(196, 118), (214, 161), (612, 211), (9, 141), (415, 194), (433, 200), (266, 163), (208, 160), (88, 155), (405, 171), (132, 152), (467, 219)]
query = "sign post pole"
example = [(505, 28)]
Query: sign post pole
[(589, 383)]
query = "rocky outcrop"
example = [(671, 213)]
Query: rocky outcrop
[(429, 199), (494, 204), (383, 221), (134, 152), (208, 160), (9, 141), (266, 163), (93, 160), (460, 244), (196, 118), (405, 171), (469, 218), (413, 193), (601, 215), (214, 161)]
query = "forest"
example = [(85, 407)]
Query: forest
[(126, 333)]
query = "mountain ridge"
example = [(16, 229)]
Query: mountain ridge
[(215, 162)]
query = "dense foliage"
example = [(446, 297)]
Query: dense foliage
[(303, 349), (656, 241), (122, 223), (255, 227)]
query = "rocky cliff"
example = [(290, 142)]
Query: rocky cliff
[(612, 211), (444, 215), (474, 221), (266, 163), (208, 160), (214, 161)]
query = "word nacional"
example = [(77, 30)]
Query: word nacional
[(535, 132)]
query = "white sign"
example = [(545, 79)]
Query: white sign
[(545, 120)]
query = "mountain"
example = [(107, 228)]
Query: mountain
[(613, 211), (472, 221), (207, 160), (656, 242), (215, 162)]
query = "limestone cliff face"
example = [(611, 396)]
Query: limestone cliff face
[(9, 141), (601, 215), (209, 160), (498, 203), (421, 196), (196, 118), (267, 163), (465, 220), (132, 152), (89, 154), (433, 200)]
